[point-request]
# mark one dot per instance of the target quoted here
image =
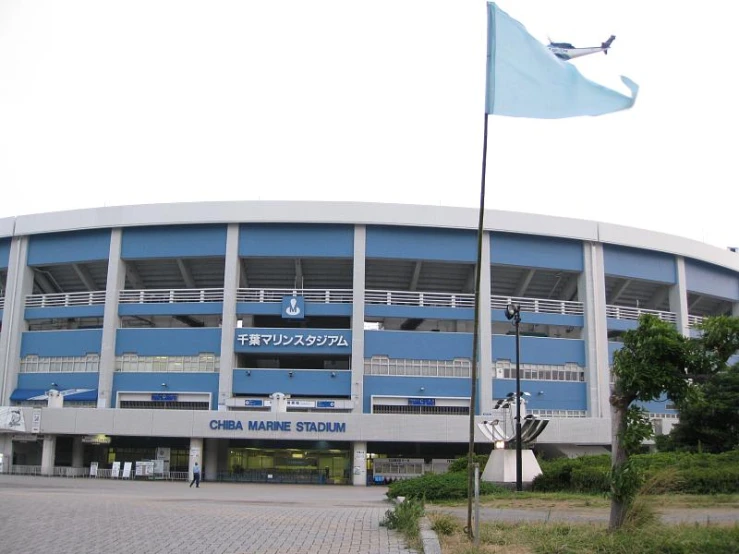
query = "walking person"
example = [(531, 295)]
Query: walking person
[(195, 476)]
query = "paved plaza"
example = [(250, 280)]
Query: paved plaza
[(66, 516)]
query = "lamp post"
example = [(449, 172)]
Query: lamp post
[(513, 312)]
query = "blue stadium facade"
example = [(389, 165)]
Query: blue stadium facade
[(318, 342)]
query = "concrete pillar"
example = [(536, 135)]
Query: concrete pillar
[(679, 297), (115, 282), (223, 455), (6, 451), (48, 454), (196, 455), (78, 452), (210, 468), (18, 285), (228, 318), (735, 309), (358, 285), (359, 464), (592, 293), (485, 371)]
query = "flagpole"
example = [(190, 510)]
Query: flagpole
[(475, 335)]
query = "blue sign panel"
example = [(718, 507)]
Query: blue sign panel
[(422, 401), (325, 404), (303, 341), (293, 307), (164, 398), (254, 403)]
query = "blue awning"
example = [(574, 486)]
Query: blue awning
[(70, 395)]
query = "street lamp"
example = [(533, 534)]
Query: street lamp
[(513, 312)]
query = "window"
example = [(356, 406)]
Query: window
[(382, 365), (203, 363), (66, 364)]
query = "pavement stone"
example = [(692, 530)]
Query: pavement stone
[(90, 516)]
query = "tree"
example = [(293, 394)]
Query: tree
[(710, 421), (652, 362)]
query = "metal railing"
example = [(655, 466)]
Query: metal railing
[(2, 302), (170, 296), (413, 298), (25, 470), (538, 305), (322, 296), (695, 320), (65, 299), (625, 312)]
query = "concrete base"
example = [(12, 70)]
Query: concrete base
[(501, 467)]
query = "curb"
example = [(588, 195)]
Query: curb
[(429, 538)]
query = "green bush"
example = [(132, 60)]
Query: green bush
[(664, 472), (404, 517), (447, 486), (460, 464)]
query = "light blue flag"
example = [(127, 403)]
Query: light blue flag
[(524, 79)]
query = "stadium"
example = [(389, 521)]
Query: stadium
[(317, 341)]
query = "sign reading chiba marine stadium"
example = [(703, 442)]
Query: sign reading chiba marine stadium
[(285, 426), (293, 340)]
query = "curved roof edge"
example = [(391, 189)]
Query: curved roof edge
[(363, 213)]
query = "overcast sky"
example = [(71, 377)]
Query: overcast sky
[(108, 103)]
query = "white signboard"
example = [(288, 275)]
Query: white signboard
[(126, 470), (115, 472), (12, 419), (36, 421), (93, 469)]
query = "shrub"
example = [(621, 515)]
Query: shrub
[(460, 464), (447, 486), (404, 517), (445, 524)]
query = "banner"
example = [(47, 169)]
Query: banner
[(115, 472), (36, 421), (12, 419), (126, 470), (93, 469)]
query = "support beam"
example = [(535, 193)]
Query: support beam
[(569, 291), (298, 274), (133, 275), (44, 283), (660, 296), (243, 281), (695, 302), (416, 275), (186, 274), (525, 282), (617, 292), (469, 284), (84, 274)]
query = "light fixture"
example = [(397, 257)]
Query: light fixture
[(513, 311), (423, 389), (333, 374), (164, 385), (248, 373), (54, 385), (290, 374)]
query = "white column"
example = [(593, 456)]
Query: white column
[(196, 455), (6, 451), (679, 297), (228, 318), (735, 309), (48, 454), (358, 284), (115, 282), (359, 464), (592, 293), (18, 285), (78, 451), (485, 371), (210, 469)]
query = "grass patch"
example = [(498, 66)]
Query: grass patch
[(405, 517), (559, 538)]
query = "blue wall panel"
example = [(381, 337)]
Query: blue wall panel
[(639, 264), (176, 382), (185, 308), (418, 312), (317, 241), (417, 345), (621, 324), (168, 342), (4, 253), (533, 251), (453, 245), (535, 350), (613, 347), (304, 382), (545, 395), (657, 406), (64, 312), (65, 380), (543, 319), (76, 246), (311, 309), (61, 343), (711, 280), (411, 386), (174, 241)]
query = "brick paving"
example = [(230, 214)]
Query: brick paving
[(42, 515)]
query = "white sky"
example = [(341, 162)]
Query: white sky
[(140, 101)]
